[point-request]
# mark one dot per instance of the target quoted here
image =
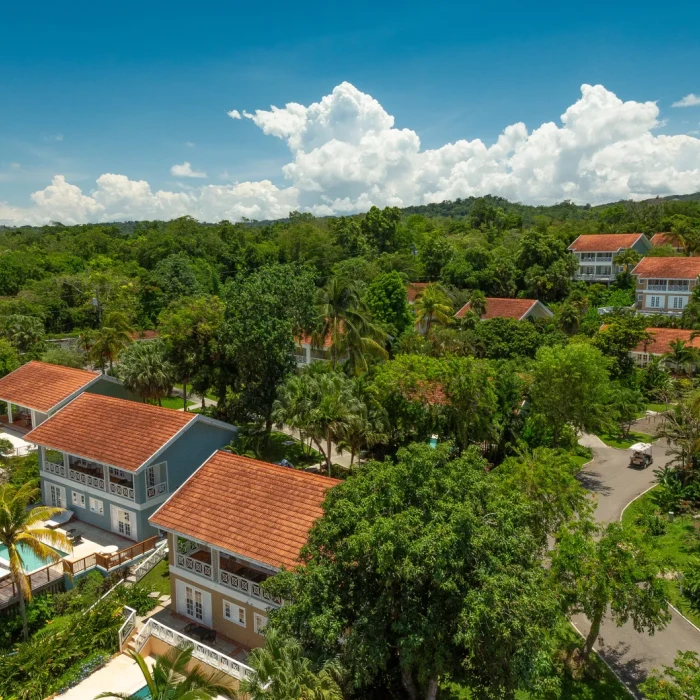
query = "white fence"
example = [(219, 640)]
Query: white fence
[(145, 565)]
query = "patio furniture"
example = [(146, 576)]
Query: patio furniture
[(204, 634), (74, 537), (109, 549), (59, 519)]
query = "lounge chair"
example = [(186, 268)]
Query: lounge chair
[(62, 518)]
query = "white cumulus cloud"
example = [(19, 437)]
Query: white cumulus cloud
[(689, 100), (234, 114), (346, 154), (185, 170)]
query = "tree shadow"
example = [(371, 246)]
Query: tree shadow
[(631, 670), (593, 481)]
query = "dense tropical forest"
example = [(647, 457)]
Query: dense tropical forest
[(425, 576)]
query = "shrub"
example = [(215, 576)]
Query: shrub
[(136, 597), (39, 611), (691, 583)]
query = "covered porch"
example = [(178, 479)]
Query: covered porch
[(16, 417)]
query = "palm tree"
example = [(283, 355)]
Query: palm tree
[(347, 324), (283, 672), (111, 339), (477, 302), (146, 370), (433, 306), (297, 397), (682, 356), (628, 258), (170, 679), (334, 412), (569, 319), (22, 528)]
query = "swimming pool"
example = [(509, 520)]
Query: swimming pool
[(143, 693), (31, 561)]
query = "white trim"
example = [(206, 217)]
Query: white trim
[(114, 522), (226, 592), (106, 495), (256, 628), (235, 615)]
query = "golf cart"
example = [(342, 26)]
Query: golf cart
[(641, 455)]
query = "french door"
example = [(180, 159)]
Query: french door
[(193, 602), (123, 522), (55, 496)]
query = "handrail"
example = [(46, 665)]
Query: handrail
[(128, 627), (145, 565), (108, 561), (35, 581), (204, 653)]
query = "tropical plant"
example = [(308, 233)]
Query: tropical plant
[(627, 259), (346, 323), (569, 319), (172, 679), (296, 399), (110, 340), (682, 356), (25, 333), (678, 682), (146, 370), (477, 303), (21, 528), (432, 307), (282, 672), (681, 428)]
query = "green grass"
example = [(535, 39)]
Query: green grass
[(276, 450), (658, 407), (174, 402), (209, 394), (625, 443), (674, 550), (158, 578), (599, 683)]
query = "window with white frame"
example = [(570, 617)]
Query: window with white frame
[(195, 608), (78, 499), (654, 302), (96, 506), (259, 622), (156, 479), (678, 302), (234, 613)]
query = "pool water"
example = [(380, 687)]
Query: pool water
[(31, 561), (143, 693)]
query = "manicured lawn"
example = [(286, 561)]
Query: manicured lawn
[(295, 453), (658, 407), (598, 684), (209, 393), (674, 549), (625, 443), (158, 578), (174, 402)]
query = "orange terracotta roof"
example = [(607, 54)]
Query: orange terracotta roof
[(668, 268), (113, 431), (415, 289), (257, 510), (502, 308), (666, 239), (662, 339), (308, 340), (41, 386), (144, 335), (431, 393), (604, 242)]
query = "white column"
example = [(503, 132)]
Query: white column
[(307, 350), (9, 412)]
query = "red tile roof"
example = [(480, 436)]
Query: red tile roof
[(428, 392), (415, 289), (666, 239), (113, 431), (604, 242), (257, 510), (41, 386), (662, 339), (668, 268), (144, 335), (502, 308)]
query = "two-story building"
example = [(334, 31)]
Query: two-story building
[(36, 390), (519, 309), (113, 462), (595, 253), (659, 344), (307, 351), (235, 522), (664, 285)]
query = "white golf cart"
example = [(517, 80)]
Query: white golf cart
[(641, 455)]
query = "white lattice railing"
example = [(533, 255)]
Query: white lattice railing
[(206, 654), (157, 490), (128, 627), (87, 479), (54, 468), (244, 585), (123, 491), (144, 566), (195, 565)]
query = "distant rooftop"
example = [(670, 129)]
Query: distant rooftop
[(604, 242), (502, 308), (677, 268)]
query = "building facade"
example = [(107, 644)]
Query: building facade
[(595, 254), (114, 462), (664, 285)]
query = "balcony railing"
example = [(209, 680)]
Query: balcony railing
[(678, 288), (300, 359), (203, 568), (656, 287), (206, 654), (124, 491), (54, 468), (594, 276), (157, 490), (244, 585), (87, 479), (109, 561)]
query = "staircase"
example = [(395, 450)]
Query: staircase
[(142, 567)]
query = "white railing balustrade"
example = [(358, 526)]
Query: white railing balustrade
[(55, 468), (678, 288), (123, 491), (209, 656), (656, 287), (156, 490), (86, 479), (127, 628), (244, 585), (144, 566), (198, 567)]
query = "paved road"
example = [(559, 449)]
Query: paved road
[(631, 654)]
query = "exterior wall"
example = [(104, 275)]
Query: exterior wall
[(108, 386), (654, 298), (237, 633), (538, 311)]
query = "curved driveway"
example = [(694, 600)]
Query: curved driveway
[(631, 654)]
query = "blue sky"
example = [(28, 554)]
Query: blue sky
[(135, 88)]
